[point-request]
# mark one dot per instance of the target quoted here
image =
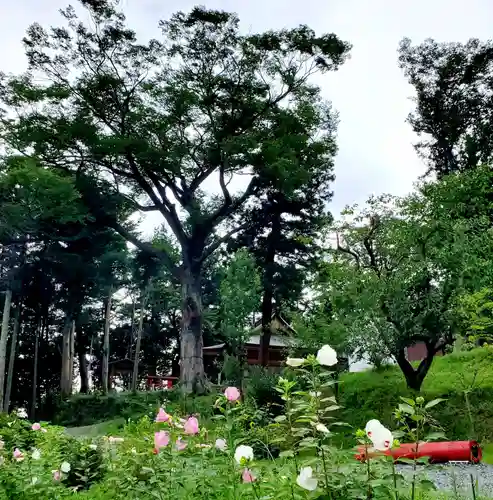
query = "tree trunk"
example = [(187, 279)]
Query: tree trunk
[(13, 347), (135, 374), (105, 373), (414, 378), (72, 351), (268, 296), (34, 397), (4, 335), (192, 374), (83, 367), (267, 310), (67, 375)]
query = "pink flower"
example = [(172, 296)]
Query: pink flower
[(18, 455), (247, 476), (180, 445), (191, 426), (232, 394), (162, 416), (161, 439), (57, 475), (36, 427)]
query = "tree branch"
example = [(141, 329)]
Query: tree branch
[(219, 241), (163, 205), (146, 247), (348, 251)]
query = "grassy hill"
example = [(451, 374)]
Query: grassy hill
[(375, 394)]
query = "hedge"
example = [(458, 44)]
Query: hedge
[(89, 409)]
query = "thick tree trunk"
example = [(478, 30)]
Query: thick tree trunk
[(34, 396), (72, 350), (192, 374), (268, 296), (13, 347), (135, 374), (414, 378), (105, 374), (267, 310), (80, 347), (4, 335), (83, 371), (67, 375)]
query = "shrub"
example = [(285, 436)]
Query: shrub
[(88, 409), (261, 388), (86, 463), (16, 432)]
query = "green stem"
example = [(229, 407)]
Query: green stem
[(290, 423), (325, 473), (413, 486), (255, 490), (473, 487), (368, 472), (230, 450), (394, 473), (469, 412)]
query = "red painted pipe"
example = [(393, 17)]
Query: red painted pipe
[(438, 453)]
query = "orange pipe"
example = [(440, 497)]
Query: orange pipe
[(439, 452)]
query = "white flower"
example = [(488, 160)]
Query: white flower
[(379, 435), (243, 453), (372, 426), (294, 362), (306, 480), (65, 467), (114, 440), (133, 451), (21, 413), (327, 356), (322, 428), (382, 439), (221, 444), (314, 394), (34, 480), (93, 446), (36, 455)]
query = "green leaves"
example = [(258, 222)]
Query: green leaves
[(433, 403), (240, 291), (35, 200)]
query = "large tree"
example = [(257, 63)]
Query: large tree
[(160, 119), (453, 84), (283, 229)]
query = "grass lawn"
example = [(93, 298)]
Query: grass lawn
[(97, 430), (487, 453)]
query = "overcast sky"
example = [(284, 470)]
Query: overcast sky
[(370, 92)]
